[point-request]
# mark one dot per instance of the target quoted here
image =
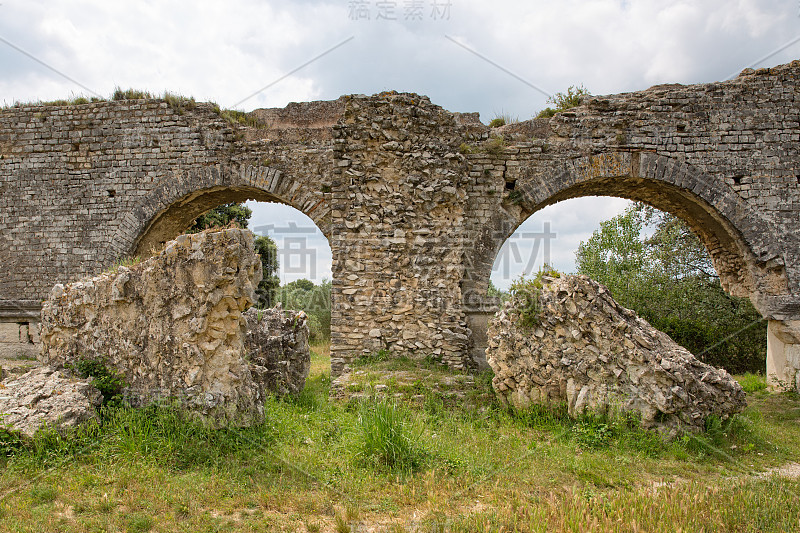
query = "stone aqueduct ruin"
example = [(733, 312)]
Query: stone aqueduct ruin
[(415, 201)]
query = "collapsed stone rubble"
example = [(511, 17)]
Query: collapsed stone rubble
[(175, 327), (590, 353)]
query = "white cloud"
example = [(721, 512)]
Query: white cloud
[(570, 222)]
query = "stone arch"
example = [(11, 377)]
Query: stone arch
[(747, 259), (169, 208)]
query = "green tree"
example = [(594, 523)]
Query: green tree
[(667, 277), (494, 292), (239, 215), (270, 282), (221, 217), (564, 101), (302, 284)]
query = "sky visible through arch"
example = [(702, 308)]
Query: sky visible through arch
[(466, 55)]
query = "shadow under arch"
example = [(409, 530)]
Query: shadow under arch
[(169, 209), (748, 263)]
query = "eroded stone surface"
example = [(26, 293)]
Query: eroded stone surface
[(590, 353), (277, 349), (172, 325), (45, 397)]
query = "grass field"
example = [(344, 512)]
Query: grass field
[(420, 457)]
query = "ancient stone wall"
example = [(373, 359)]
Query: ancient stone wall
[(415, 201)]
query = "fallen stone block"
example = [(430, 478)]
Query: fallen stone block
[(44, 397), (277, 349), (171, 325), (568, 342)]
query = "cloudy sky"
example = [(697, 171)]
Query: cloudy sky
[(466, 55)]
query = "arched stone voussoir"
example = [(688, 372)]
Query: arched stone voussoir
[(740, 241), (169, 208)]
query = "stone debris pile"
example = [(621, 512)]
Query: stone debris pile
[(585, 350), (44, 397), (174, 326)]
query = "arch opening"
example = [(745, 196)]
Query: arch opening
[(303, 254), (729, 254), (178, 216)]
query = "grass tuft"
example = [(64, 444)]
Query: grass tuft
[(752, 382), (389, 439), (123, 262), (179, 103), (502, 119), (130, 94), (140, 523), (43, 494), (238, 118)]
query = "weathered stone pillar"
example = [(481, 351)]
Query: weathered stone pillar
[(783, 354), (399, 198)]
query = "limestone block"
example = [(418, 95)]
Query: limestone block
[(44, 397), (172, 325), (783, 354), (277, 349), (629, 366), (9, 333)]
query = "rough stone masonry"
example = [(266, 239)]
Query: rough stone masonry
[(588, 352), (176, 326), (415, 201)]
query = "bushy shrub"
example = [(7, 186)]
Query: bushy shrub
[(525, 295)]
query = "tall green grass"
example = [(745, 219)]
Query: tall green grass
[(390, 438)]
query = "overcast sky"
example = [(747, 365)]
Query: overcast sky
[(466, 55)]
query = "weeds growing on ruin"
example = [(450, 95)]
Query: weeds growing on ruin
[(179, 103), (526, 292), (563, 101), (130, 94), (237, 118), (502, 119), (123, 262), (107, 380)]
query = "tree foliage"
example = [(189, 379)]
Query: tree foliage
[(222, 217), (653, 263), (315, 300), (270, 282)]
